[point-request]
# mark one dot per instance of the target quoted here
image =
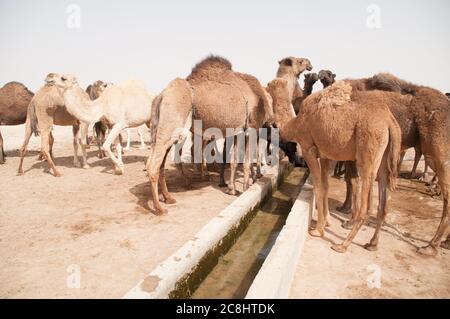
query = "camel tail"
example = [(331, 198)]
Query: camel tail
[(153, 124), (393, 152), (33, 119)]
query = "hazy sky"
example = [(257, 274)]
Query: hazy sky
[(157, 41)]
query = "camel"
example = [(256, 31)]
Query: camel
[(339, 123), (326, 77), (14, 101), (45, 110), (221, 99), (310, 80), (424, 117), (124, 105), (94, 90)]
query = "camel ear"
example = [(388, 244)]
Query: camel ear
[(334, 76), (286, 61)]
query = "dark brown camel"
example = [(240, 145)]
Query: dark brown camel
[(14, 100)]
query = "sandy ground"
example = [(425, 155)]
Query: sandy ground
[(89, 219), (412, 221)]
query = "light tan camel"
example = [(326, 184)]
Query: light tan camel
[(45, 110), (127, 104), (338, 123), (424, 116), (14, 101), (220, 98)]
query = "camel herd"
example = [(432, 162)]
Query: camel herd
[(363, 124)]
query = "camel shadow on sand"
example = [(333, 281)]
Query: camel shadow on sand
[(371, 223), (93, 161)]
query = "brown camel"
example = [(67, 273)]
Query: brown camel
[(221, 99), (326, 77), (339, 123), (94, 90), (424, 117), (14, 100), (310, 80), (45, 110)]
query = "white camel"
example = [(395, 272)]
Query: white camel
[(124, 105)]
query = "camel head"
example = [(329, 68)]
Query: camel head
[(65, 81), (326, 77), (295, 65), (51, 77), (311, 78)]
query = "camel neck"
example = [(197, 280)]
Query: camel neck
[(79, 105), (307, 89)]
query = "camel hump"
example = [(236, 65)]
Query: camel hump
[(335, 95), (133, 83), (211, 62), (278, 89), (14, 84), (389, 82)]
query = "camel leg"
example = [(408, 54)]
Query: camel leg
[(446, 244), (350, 172), (45, 146), (222, 165), (443, 173), (141, 137), (310, 156), (113, 135), (51, 142), (402, 156), (126, 148), (23, 149), (75, 130), (100, 133), (417, 156), (154, 166), (2, 153), (162, 182), (203, 168), (247, 164), (367, 167), (324, 169), (187, 180), (84, 128), (233, 168), (360, 216), (383, 180)]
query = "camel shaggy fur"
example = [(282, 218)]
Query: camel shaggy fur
[(14, 101), (45, 110), (123, 105), (339, 123)]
